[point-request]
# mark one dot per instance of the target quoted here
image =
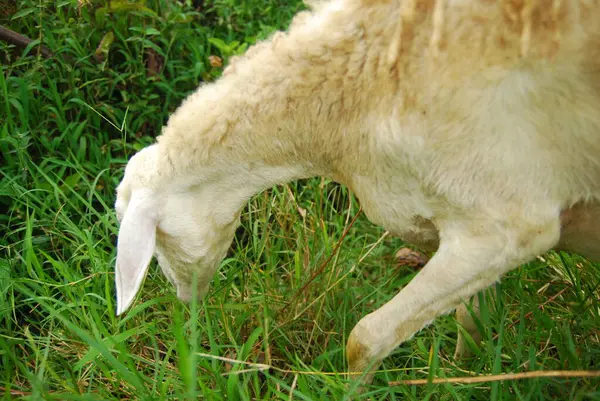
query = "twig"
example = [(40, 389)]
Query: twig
[(329, 288), (541, 307), (14, 392), (261, 367), (500, 377), (324, 264), (293, 387), (22, 41)]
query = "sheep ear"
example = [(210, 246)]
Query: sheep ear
[(135, 247)]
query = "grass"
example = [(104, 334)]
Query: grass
[(68, 126)]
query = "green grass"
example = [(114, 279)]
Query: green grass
[(68, 126)]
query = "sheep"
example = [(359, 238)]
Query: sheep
[(466, 127)]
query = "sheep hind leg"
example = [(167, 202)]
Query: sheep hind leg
[(469, 260), (466, 313), (465, 318), (580, 234)]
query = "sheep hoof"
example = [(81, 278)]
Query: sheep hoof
[(462, 351), (359, 360)]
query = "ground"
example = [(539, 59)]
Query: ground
[(68, 125)]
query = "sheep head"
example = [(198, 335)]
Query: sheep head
[(173, 220)]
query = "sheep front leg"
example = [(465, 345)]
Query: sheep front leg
[(472, 256)]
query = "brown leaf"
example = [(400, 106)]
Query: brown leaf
[(231, 355), (410, 258), (215, 61), (154, 62)]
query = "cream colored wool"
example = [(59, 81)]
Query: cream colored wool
[(470, 127)]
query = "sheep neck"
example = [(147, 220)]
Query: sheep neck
[(232, 151), (229, 190)]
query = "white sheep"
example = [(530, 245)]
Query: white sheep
[(469, 127)]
